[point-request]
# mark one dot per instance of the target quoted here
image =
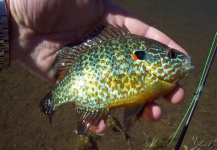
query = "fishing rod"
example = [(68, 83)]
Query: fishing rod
[(197, 95)]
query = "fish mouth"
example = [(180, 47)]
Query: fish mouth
[(186, 65)]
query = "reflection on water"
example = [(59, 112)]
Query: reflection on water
[(192, 24)]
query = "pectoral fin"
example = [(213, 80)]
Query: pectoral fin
[(132, 114), (89, 119)]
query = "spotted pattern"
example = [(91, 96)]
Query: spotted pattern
[(107, 76)]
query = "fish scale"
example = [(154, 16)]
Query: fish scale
[(111, 73), (110, 70)]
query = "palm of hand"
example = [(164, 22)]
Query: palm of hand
[(41, 27), (44, 27)]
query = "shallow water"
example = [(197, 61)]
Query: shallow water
[(192, 24)]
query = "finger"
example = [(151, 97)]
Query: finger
[(152, 112), (138, 27), (100, 129), (176, 96), (135, 26)]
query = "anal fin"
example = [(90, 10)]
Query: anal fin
[(89, 119), (132, 114)]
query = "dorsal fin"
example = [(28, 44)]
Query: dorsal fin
[(68, 55)]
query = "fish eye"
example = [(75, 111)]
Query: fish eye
[(172, 53), (139, 55)]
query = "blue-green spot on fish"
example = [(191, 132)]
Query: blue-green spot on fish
[(113, 68)]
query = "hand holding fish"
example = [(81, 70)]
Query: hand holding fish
[(39, 28)]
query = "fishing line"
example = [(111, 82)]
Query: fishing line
[(196, 97)]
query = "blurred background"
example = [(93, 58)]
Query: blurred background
[(191, 24)]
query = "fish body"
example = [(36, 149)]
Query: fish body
[(114, 69)]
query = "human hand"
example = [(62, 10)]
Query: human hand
[(39, 28)]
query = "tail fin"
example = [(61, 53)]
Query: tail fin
[(47, 107)]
